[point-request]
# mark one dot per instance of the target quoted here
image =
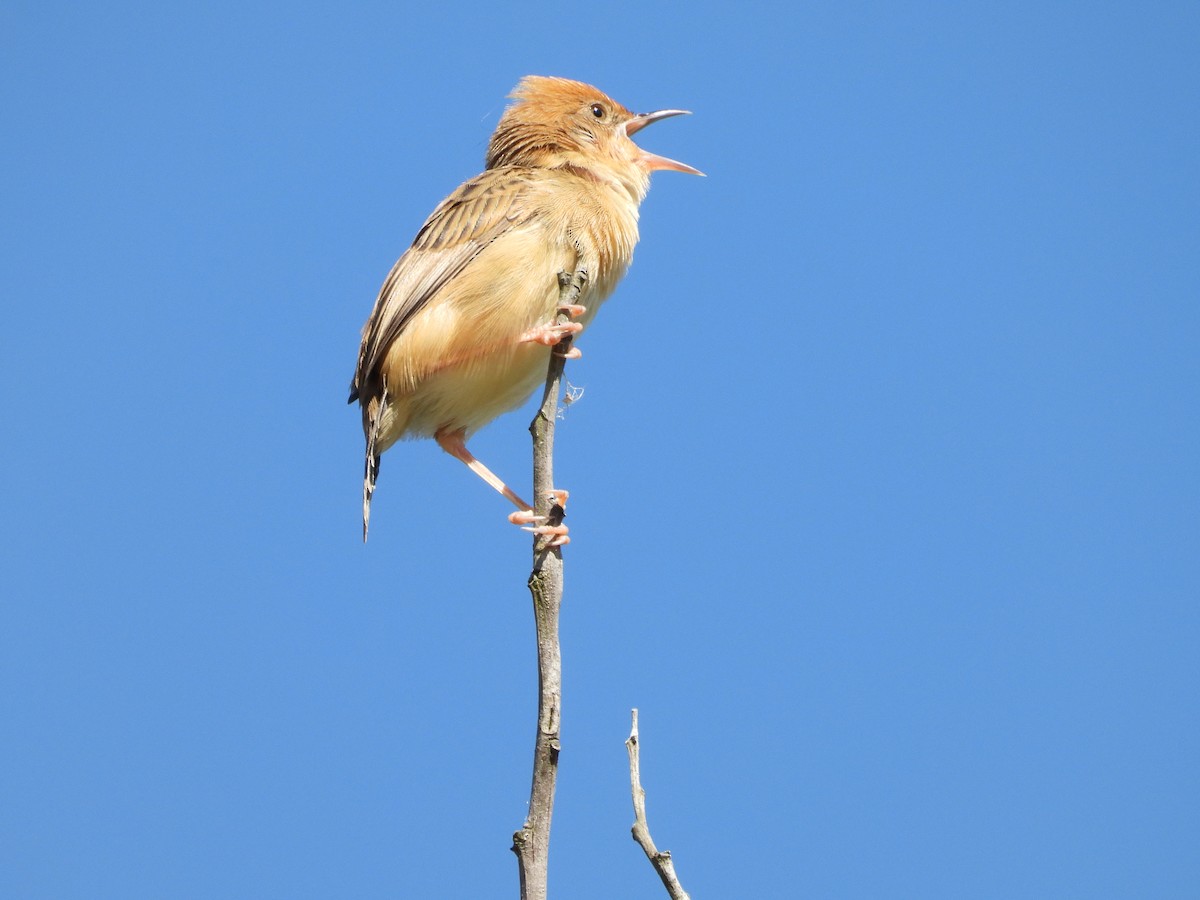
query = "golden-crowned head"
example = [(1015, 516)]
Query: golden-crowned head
[(555, 122)]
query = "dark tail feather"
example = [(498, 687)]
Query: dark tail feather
[(370, 473), (372, 414)]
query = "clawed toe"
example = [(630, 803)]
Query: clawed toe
[(550, 334), (529, 517), (556, 534)]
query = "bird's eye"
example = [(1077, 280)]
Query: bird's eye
[(597, 110)]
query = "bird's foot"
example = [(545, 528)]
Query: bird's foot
[(551, 334), (556, 533), (574, 310)]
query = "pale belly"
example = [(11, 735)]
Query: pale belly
[(461, 363), (471, 394)]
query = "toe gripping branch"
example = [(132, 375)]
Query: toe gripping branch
[(549, 526)]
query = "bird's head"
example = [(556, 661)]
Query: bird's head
[(555, 122)]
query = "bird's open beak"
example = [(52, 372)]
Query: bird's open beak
[(650, 161)]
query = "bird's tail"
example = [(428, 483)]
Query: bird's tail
[(373, 413), (370, 473)]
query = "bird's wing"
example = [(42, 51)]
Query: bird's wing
[(463, 224)]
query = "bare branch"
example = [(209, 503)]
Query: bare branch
[(660, 859), (532, 842)]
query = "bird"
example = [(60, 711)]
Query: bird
[(465, 322)]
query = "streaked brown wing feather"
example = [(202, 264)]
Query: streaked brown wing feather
[(462, 225)]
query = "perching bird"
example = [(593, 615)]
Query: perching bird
[(464, 324)]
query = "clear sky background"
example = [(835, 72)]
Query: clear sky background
[(884, 481)]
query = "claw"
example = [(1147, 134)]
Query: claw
[(574, 310)]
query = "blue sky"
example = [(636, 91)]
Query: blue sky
[(884, 481)]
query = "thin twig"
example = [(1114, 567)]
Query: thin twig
[(660, 859), (532, 842)]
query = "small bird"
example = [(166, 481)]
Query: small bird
[(464, 324)]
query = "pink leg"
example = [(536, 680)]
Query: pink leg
[(454, 443)]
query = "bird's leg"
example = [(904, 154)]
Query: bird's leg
[(454, 443)]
